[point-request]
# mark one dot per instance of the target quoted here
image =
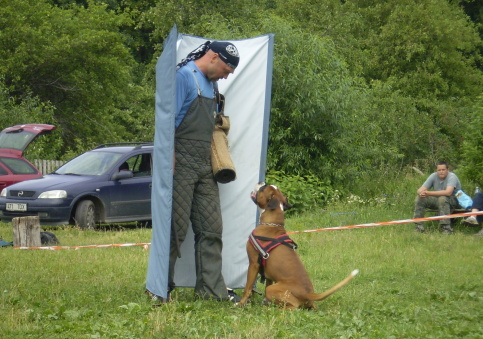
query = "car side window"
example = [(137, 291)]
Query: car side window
[(18, 166), (124, 166), (142, 166), (3, 171)]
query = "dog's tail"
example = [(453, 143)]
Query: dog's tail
[(322, 296)]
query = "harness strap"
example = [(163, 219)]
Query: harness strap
[(258, 246), (280, 240), (264, 250), (193, 71)]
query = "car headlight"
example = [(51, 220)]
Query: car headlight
[(57, 194), (4, 193)]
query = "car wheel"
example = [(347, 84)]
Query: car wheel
[(85, 215)]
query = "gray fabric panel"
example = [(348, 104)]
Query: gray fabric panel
[(157, 275)]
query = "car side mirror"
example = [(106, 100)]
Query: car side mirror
[(124, 174)]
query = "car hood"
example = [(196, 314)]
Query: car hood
[(14, 140), (54, 182)]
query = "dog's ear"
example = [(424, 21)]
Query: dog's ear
[(273, 203), (286, 205)]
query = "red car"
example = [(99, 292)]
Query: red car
[(13, 141)]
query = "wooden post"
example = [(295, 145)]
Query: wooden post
[(26, 231)]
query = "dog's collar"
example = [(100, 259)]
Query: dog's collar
[(270, 224)]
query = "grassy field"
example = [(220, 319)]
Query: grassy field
[(410, 285)]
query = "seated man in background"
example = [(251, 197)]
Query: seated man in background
[(442, 198), (477, 206)]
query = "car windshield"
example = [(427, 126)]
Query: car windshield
[(90, 163), (18, 166)]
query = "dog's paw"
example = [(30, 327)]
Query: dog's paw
[(242, 303)]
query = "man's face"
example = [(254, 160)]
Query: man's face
[(442, 171), (218, 70)]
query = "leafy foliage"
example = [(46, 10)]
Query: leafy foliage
[(426, 49), (304, 192), (31, 110), (313, 107), (472, 167), (76, 61), (359, 87)]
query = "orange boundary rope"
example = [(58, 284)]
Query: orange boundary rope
[(79, 247), (146, 244), (395, 222)]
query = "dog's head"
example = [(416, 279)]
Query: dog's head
[(269, 197)]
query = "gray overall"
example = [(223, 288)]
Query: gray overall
[(196, 199)]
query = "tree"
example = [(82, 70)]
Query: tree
[(75, 59), (472, 164), (31, 110), (318, 121), (420, 60), (427, 51), (358, 85)]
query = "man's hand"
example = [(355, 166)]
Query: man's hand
[(423, 192)]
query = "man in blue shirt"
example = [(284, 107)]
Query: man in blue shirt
[(195, 191), (444, 184), (476, 220)]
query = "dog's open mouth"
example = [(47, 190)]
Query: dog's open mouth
[(258, 187), (253, 195)]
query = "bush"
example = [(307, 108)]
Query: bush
[(304, 192), (472, 165)]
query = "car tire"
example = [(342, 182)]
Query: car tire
[(85, 215)]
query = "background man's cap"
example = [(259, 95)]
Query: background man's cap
[(227, 52)]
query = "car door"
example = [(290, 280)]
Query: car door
[(13, 170), (130, 198)]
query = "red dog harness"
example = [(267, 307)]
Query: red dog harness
[(264, 249), (272, 243)]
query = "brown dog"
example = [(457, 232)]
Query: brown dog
[(271, 253)]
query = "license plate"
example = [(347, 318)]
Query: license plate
[(13, 206)]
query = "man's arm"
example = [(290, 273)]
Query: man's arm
[(447, 192), (421, 190), (182, 86), (426, 186)]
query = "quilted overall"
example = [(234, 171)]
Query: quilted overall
[(196, 199)]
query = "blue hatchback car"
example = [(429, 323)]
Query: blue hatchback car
[(109, 184)]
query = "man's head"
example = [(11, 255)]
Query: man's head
[(227, 52), (220, 60), (442, 170)]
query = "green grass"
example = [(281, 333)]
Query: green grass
[(410, 285)]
